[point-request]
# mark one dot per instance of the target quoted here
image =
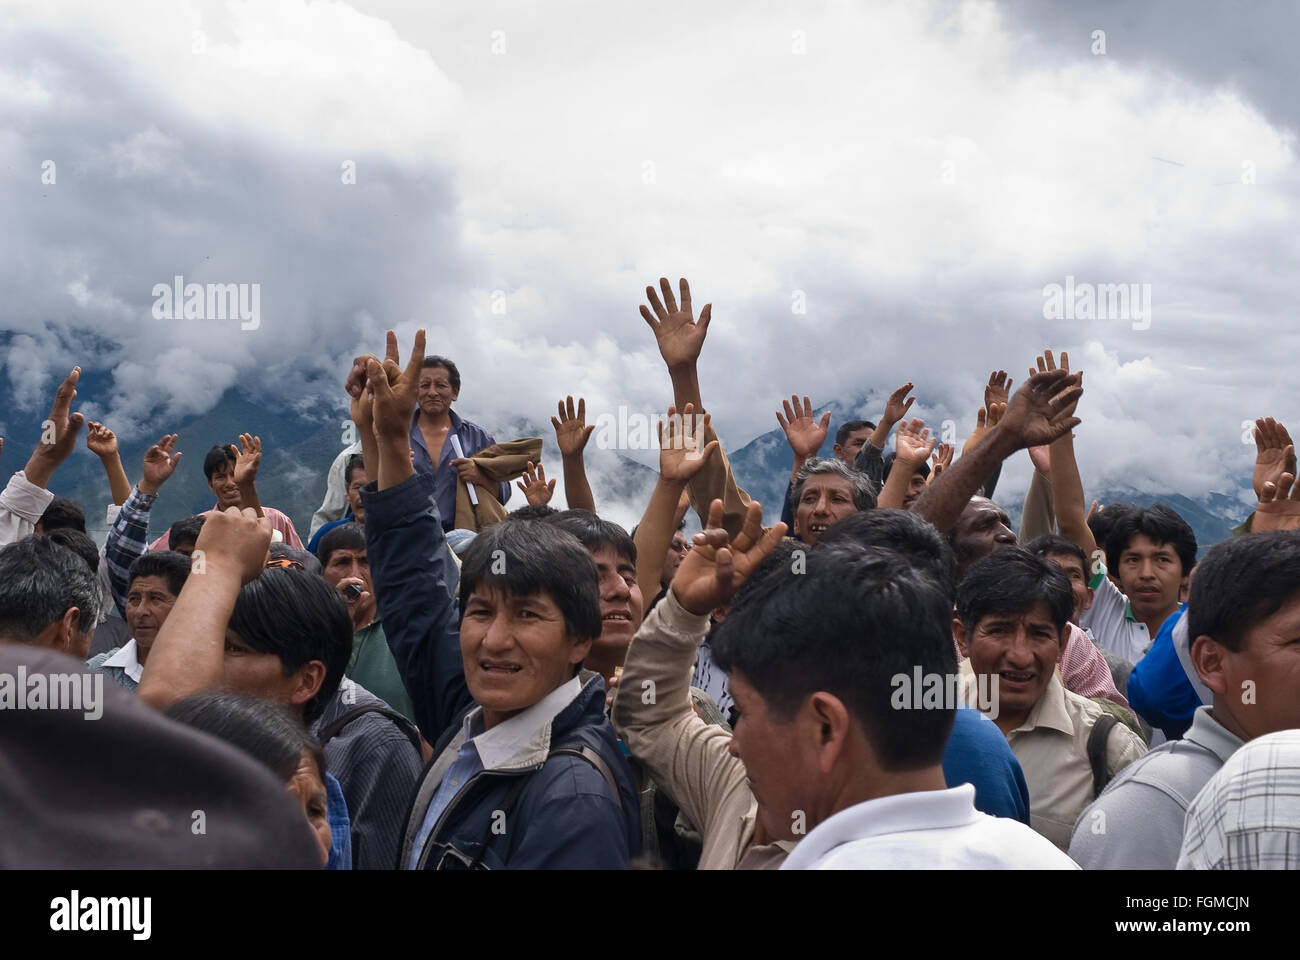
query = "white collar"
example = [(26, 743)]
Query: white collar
[(897, 813), (126, 659), (505, 740)]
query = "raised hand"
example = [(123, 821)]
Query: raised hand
[(679, 335), (535, 487), (1271, 442), (913, 443), (998, 389), (101, 441), (680, 455), (394, 391), (942, 460), (571, 430), (1041, 456), (1046, 364), (1040, 411), (804, 434), (234, 541), (1279, 503), (248, 457), (895, 407), (159, 464), (58, 433), (714, 569)]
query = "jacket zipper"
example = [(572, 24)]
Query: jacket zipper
[(456, 800)]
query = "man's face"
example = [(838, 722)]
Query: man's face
[(1150, 574), (354, 494), (347, 562), (1262, 680), (515, 650), (677, 551), (982, 528), (222, 484), (308, 789), (915, 487), (778, 768), (148, 602), (184, 546), (261, 675), (1021, 649), (1072, 567), (621, 603), (852, 445), (826, 498), (435, 392)]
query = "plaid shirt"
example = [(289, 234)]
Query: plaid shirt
[(127, 542), (1248, 816)]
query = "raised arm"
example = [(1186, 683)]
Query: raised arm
[(1039, 412), (571, 435), (681, 456), (102, 442), (804, 434), (537, 490), (188, 656), (896, 408), (912, 446), (24, 499), (1067, 487), (128, 539), (248, 457)]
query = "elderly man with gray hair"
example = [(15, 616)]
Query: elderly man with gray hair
[(827, 490)]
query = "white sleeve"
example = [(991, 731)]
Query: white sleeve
[(336, 494), (21, 505)]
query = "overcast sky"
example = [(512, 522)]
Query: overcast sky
[(914, 174)]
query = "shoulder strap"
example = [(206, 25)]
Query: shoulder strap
[(335, 726), (597, 761), (1097, 752)]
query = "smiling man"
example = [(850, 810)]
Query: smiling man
[(826, 491), (1012, 612)]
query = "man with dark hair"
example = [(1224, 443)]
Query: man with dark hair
[(80, 544), (47, 597), (286, 637), (153, 584), (1243, 617), (231, 472), (342, 553), (621, 602), (62, 513), (813, 662), (1012, 612), (825, 491), (534, 511), (354, 478), (526, 770), (182, 534)]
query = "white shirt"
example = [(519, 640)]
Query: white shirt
[(21, 505), (497, 746), (926, 830), (126, 659), (1112, 625)]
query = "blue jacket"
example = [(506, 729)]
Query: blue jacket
[(1160, 689), (565, 815)]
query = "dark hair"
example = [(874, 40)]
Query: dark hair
[(923, 468), (593, 532), (903, 532), (63, 513), (530, 557), (534, 511), (171, 566), (298, 617), (849, 426), (355, 462), (1051, 544), (263, 730), (39, 581), (346, 536), (80, 544), (280, 554), (218, 455), (854, 620), (1013, 580), (1161, 525), (864, 488), (453, 374), (1241, 582), (788, 556), (185, 531), (1103, 521)]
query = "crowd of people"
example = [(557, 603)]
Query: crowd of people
[(888, 677)]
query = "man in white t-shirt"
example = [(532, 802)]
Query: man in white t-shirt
[(834, 667)]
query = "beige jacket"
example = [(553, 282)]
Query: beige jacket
[(687, 757)]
